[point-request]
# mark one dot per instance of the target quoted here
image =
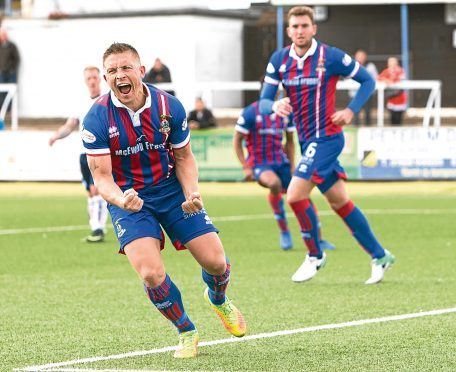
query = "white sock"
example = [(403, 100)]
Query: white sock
[(99, 213), (92, 209), (103, 215)]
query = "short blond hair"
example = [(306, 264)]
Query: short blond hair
[(91, 68), (298, 11), (118, 48)]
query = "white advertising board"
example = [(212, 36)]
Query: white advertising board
[(27, 156), (407, 153)]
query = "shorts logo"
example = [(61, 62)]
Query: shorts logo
[(208, 220), (302, 168), (188, 215), (120, 231)]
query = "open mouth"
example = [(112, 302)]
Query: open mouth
[(124, 88)]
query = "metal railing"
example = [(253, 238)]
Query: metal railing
[(432, 109)]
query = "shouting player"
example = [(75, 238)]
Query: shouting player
[(138, 146)]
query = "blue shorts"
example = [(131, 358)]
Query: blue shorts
[(87, 179), (283, 171), (162, 207), (319, 162)]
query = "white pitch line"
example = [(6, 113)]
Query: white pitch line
[(104, 370), (31, 230), (48, 367), (41, 230)]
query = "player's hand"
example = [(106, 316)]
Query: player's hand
[(282, 107), (248, 173), (52, 140), (131, 201), (193, 204), (342, 117)]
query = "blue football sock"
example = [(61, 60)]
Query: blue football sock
[(217, 284), (167, 299), (359, 226)]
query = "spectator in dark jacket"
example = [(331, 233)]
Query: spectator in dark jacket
[(201, 117), (159, 73), (9, 61)]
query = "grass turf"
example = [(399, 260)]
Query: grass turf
[(63, 299)]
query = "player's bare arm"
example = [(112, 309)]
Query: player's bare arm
[(101, 169), (238, 149), (65, 130), (187, 174)]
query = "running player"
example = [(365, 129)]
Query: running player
[(268, 161), (138, 146), (309, 71), (96, 206)]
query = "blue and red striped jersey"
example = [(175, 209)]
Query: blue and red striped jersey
[(140, 143), (310, 82), (263, 135)]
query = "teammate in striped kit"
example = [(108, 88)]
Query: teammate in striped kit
[(137, 142), (96, 206), (268, 161), (309, 71)]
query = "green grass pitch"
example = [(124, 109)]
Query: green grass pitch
[(62, 299)]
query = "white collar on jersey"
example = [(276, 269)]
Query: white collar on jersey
[(147, 104), (310, 52)]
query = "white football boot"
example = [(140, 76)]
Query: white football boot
[(379, 266), (309, 268)]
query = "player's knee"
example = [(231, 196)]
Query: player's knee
[(152, 277), (276, 188), (293, 198), (217, 267), (337, 204)]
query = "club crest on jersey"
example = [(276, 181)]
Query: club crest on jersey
[(321, 65), (164, 123)]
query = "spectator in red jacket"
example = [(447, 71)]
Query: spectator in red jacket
[(396, 98)]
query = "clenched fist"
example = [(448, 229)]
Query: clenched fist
[(193, 204), (131, 201)]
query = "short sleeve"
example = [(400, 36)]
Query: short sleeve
[(272, 75), (246, 120), (342, 64), (94, 133), (180, 133)]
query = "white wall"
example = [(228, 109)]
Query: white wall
[(54, 53)]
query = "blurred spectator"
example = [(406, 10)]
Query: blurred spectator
[(361, 57), (159, 73), (96, 206), (9, 61), (201, 117), (396, 99)]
